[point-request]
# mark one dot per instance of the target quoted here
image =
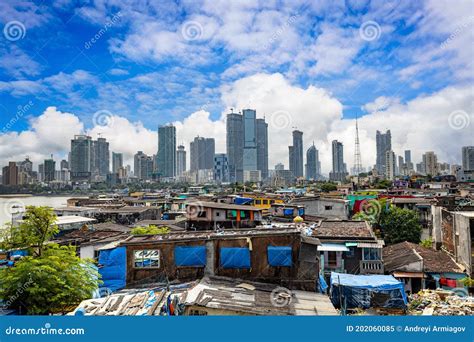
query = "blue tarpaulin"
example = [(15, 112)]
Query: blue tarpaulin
[(288, 212), (322, 284), (365, 291), (242, 200), (113, 270), (279, 255), (20, 252), (234, 257), (190, 256)]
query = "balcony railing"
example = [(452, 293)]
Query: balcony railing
[(371, 267)]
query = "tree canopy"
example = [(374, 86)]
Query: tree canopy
[(400, 225), (150, 230), (52, 278)]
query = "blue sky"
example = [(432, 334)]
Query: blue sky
[(161, 61)]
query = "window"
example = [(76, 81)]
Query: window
[(202, 213), (147, 258), (328, 207), (351, 252), (243, 214), (371, 254), (265, 201), (258, 201), (96, 254), (232, 214), (272, 201), (218, 214), (332, 259)]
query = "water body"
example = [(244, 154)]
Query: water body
[(12, 204)]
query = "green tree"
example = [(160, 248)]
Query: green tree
[(400, 225), (327, 187), (37, 227), (54, 282), (427, 243), (52, 279), (150, 230)]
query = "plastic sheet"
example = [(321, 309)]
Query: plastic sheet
[(113, 270), (279, 256), (234, 257), (366, 291), (192, 256)]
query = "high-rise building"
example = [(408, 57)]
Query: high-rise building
[(101, 158), (383, 144), (407, 156), (64, 165), (221, 168), (250, 139), (390, 165), (143, 166), (468, 158), (296, 154), (235, 146), (202, 153), (339, 172), (313, 166), (401, 166), (180, 160), (430, 163), (49, 170), (10, 174), (117, 162), (262, 148), (279, 167), (82, 158), (166, 157)]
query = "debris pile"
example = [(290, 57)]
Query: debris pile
[(440, 303)]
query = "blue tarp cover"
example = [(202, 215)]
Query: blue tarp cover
[(288, 212), (279, 255), (242, 200), (113, 268), (235, 257), (322, 284), (190, 256), (359, 290)]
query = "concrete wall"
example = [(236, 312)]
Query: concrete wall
[(318, 207), (463, 241)]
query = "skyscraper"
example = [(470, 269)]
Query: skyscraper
[(250, 139), (117, 162), (49, 170), (221, 168), (81, 158), (10, 174), (338, 172), (296, 154), (430, 163), (202, 153), (262, 148), (313, 168), (468, 158), (143, 166), (407, 156), (180, 160), (390, 165), (166, 157), (235, 148), (102, 158), (383, 144), (64, 165)]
